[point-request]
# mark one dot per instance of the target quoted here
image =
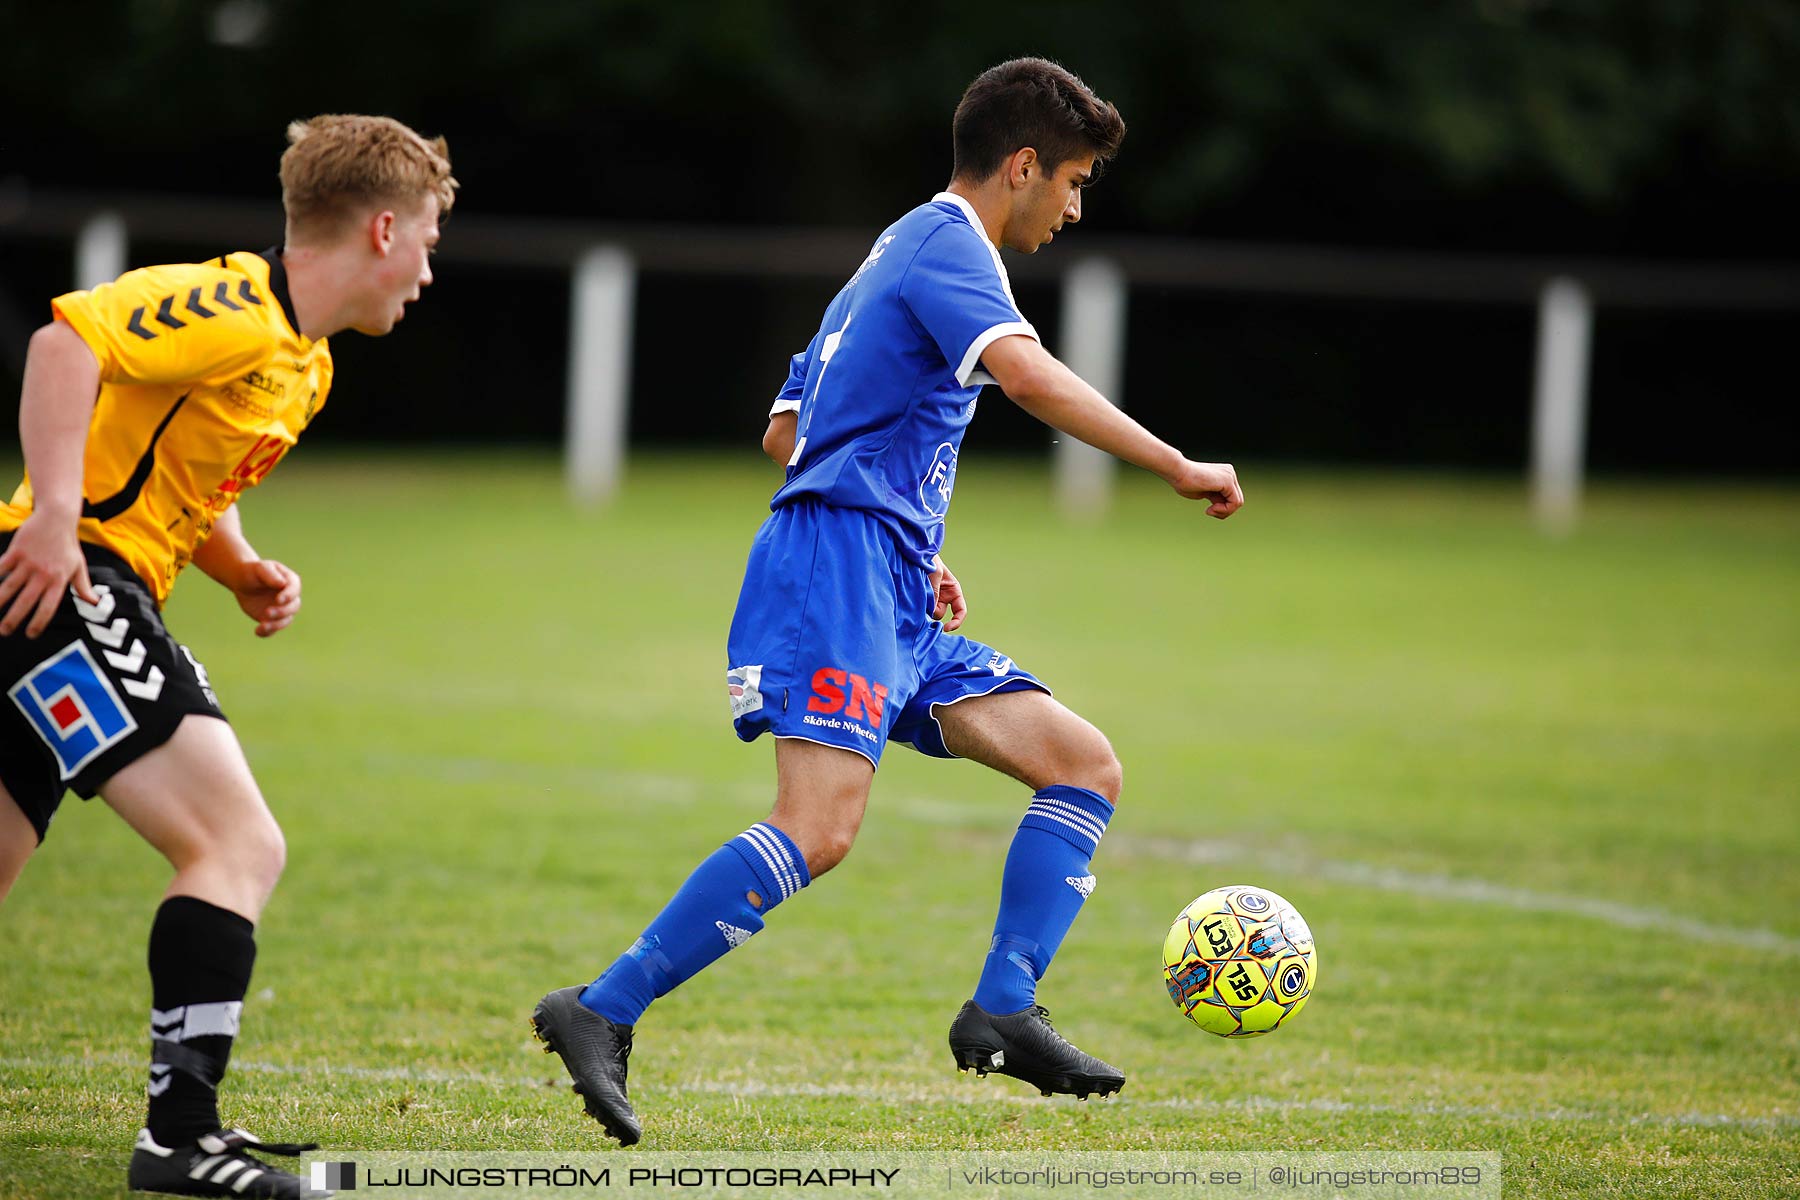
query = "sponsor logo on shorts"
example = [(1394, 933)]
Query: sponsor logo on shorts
[(72, 705), (861, 731), (745, 686), (839, 691), (999, 664)]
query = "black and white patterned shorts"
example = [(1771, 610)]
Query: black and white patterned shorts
[(101, 687)]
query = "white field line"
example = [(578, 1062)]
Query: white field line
[(1437, 886), (1433, 886), (679, 789), (913, 1094)]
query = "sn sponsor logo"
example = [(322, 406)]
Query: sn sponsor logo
[(836, 691)]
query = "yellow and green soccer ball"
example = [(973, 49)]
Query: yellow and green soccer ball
[(1239, 961)]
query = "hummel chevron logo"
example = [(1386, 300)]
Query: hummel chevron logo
[(147, 688), (734, 937), (166, 316), (112, 635), (1081, 883), (130, 663), (198, 309), (101, 611), (165, 308), (109, 633)]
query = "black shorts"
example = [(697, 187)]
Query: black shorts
[(101, 687)]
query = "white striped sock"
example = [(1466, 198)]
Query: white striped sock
[(776, 855), (784, 855)]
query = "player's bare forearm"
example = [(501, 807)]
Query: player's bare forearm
[(778, 439), (62, 380), (1037, 382), (226, 551), (43, 559), (1034, 380), (267, 591)]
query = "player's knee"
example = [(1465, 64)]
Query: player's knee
[(256, 854), (12, 862), (1108, 775), (271, 854), (18, 840), (1094, 766), (825, 848)]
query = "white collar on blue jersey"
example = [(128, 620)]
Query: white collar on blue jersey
[(968, 211)]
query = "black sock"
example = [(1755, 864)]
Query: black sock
[(200, 960)]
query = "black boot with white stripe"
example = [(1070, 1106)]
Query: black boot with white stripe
[(1026, 1046), (216, 1165)]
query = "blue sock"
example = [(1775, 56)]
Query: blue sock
[(1041, 891), (710, 914)]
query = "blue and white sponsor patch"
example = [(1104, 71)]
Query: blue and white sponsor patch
[(745, 686), (72, 705)]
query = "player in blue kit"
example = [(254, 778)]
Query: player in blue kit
[(843, 636)]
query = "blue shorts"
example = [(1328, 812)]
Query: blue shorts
[(833, 639)]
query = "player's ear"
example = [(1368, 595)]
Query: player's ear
[(381, 232), (1021, 166)]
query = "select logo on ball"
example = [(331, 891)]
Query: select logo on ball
[(1233, 965)]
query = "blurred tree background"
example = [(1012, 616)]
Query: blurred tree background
[(1645, 129)]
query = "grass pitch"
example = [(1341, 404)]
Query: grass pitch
[(1537, 799)]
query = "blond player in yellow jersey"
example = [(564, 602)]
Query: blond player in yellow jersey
[(150, 404)]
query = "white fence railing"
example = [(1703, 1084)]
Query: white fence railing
[(604, 262)]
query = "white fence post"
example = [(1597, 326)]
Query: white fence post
[(601, 317), (100, 250), (1559, 406), (1093, 346)]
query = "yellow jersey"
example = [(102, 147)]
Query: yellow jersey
[(205, 383)]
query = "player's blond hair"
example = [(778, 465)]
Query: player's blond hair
[(338, 165)]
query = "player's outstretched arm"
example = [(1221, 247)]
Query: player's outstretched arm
[(267, 591), (62, 380), (1037, 382)]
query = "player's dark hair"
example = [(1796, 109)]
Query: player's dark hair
[(1030, 102)]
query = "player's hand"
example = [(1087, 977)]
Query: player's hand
[(947, 597), (1217, 482), (269, 594), (43, 562)]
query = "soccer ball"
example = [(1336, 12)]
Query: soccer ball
[(1239, 961)]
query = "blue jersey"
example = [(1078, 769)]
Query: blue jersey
[(888, 384)]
